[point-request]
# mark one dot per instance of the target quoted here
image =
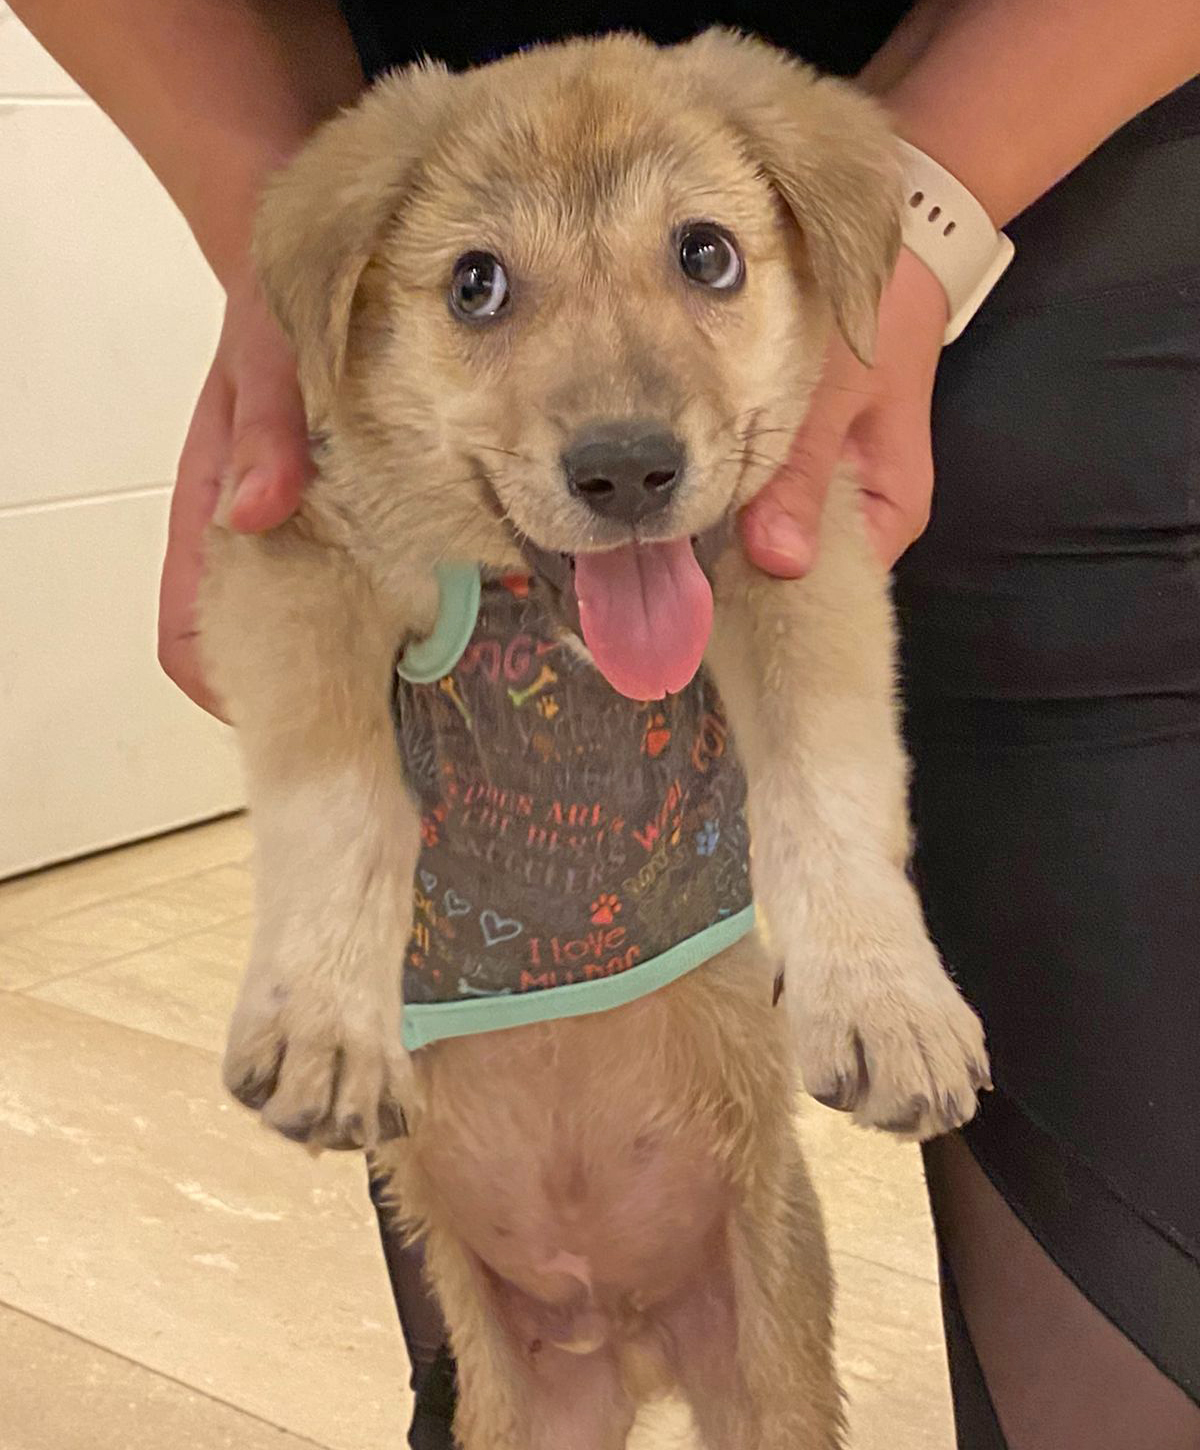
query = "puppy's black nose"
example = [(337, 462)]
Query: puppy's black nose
[(624, 471)]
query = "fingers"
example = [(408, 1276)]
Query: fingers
[(249, 421), (894, 465), (192, 505), (270, 455), (896, 517), (780, 526)]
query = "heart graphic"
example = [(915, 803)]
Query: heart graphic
[(455, 904), (497, 928), (428, 880), (657, 740)]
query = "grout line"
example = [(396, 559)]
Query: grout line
[(836, 1254), (113, 898), (119, 896), (120, 847), (162, 1375), (41, 98), (206, 1052), (24, 508), (32, 987)]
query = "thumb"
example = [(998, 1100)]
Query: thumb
[(270, 461), (780, 526)]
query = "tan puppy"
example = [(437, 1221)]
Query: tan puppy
[(615, 1201)]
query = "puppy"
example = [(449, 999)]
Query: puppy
[(556, 321)]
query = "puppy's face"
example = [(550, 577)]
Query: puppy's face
[(582, 299)]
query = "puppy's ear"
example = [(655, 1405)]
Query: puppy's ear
[(827, 150), (322, 215)]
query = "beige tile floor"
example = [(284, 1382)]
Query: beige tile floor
[(174, 1278)]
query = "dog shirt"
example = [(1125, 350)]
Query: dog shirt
[(578, 849)]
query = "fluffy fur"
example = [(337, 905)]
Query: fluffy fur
[(614, 1202)]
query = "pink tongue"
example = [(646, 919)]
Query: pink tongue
[(646, 612)]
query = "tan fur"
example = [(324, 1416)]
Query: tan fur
[(616, 1202)]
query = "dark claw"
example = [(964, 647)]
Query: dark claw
[(255, 1091), (950, 1110), (849, 1091), (842, 1098), (347, 1134), (300, 1128), (908, 1123), (864, 1072), (392, 1122)]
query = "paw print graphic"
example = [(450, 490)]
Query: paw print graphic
[(547, 707), (706, 839), (429, 830), (604, 909)]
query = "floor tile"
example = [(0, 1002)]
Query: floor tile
[(873, 1190), (61, 1393), (29, 900), (221, 1282), (183, 990), (142, 1211), (118, 925), (891, 1359)]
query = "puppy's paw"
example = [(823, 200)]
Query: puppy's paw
[(895, 1045), (327, 1073)]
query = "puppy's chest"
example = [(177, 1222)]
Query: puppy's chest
[(568, 835)]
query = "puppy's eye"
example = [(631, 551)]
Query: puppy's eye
[(479, 290), (709, 256)]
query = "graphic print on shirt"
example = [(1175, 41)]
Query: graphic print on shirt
[(568, 834)]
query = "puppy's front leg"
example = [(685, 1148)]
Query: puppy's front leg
[(806, 668), (301, 649)]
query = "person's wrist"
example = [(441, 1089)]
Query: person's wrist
[(225, 194), (914, 309), (223, 215), (982, 161)]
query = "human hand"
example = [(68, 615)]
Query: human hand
[(875, 418), (249, 423)]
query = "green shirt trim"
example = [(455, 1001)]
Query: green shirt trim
[(427, 660), (426, 1022)]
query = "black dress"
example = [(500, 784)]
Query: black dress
[(1051, 658)]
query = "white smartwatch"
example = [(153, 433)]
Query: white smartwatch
[(952, 234)]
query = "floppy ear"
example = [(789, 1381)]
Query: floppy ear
[(322, 215), (828, 151)]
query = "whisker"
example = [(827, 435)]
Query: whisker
[(507, 452), (454, 539)]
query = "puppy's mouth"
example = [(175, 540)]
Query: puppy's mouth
[(644, 610)]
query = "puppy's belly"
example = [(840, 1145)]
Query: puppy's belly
[(583, 1161)]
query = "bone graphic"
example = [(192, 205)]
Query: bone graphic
[(448, 686), (547, 677)]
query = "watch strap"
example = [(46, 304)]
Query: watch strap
[(949, 230)]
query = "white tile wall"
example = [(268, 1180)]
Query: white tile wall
[(109, 313), (107, 320), (96, 746), (25, 68)]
